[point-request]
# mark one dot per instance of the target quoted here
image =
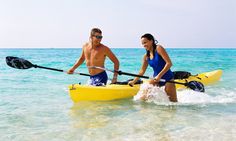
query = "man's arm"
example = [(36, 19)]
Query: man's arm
[(116, 62), (78, 63)]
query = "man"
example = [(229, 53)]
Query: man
[(94, 53)]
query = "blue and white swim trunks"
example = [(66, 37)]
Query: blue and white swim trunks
[(99, 79)]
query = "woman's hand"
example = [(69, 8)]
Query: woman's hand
[(152, 81), (131, 83), (114, 80), (155, 80)]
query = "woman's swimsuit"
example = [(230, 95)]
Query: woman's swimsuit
[(158, 63)]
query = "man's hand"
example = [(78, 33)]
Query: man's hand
[(70, 71)]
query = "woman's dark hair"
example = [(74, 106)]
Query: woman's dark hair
[(154, 43)]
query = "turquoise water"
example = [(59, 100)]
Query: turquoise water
[(35, 105)]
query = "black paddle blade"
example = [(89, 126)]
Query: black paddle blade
[(196, 86), (18, 63)]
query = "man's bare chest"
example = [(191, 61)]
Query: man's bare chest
[(94, 54)]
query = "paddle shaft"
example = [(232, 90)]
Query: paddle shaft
[(36, 66), (135, 75)]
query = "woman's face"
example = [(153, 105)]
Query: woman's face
[(147, 44)]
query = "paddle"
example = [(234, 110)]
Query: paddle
[(20, 63), (194, 85)]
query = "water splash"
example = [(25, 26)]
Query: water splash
[(152, 93), (158, 96), (212, 96)]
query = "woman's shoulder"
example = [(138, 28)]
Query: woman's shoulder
[(145, 57), (159, 48)]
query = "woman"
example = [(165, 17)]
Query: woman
[(158, 59)]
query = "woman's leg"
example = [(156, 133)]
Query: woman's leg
[(171, 91), (144, 95)]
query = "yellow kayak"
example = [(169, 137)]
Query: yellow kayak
[(114, 91)]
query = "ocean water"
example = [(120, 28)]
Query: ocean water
[(35, 105)]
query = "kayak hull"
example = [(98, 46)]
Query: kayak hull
[(101, 93), (79, 92)]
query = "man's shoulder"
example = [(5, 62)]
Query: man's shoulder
[(104, 47), (86, 44)]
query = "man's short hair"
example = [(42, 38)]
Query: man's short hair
[(95, 30)]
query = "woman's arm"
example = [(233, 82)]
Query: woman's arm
[(161, 51), (142, 70)]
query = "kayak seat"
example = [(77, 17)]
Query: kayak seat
[(181, 74)]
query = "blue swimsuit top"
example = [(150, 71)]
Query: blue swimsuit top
[(158, 63)]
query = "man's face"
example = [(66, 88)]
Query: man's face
[(96, 38)]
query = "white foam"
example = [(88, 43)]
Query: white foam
[(211, 96), (153, 93), (188, 96), (158, 96)]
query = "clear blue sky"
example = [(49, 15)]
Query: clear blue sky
[(67, 23)]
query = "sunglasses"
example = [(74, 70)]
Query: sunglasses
[(98, 37)]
